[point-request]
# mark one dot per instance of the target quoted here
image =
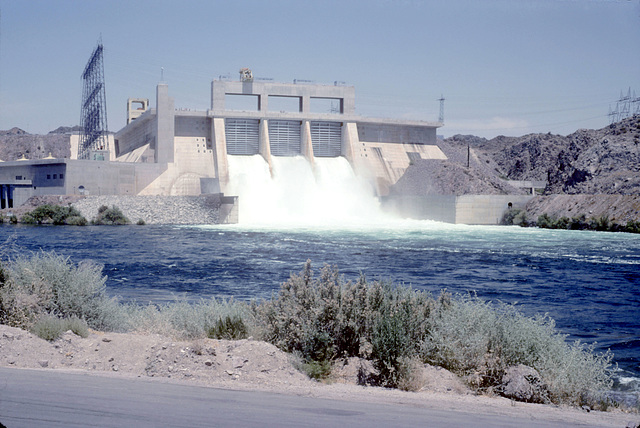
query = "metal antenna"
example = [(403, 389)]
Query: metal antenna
[(93, 116), (441, 116)]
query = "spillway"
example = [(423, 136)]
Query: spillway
[(295, 192)]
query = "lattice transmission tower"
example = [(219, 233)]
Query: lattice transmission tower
[(93, 116), (627, 106), (441, 116)]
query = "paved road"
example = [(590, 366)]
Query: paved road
[(39, 398)]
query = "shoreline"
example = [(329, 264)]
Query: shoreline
[(248, 365)]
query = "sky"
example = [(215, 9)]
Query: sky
[(504, 67)]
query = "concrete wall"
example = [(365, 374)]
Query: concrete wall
[(165, 125), (139, 133), (99, 178), (219, 90), (463, 209), (486, 209), (435, 207), (396, 133)]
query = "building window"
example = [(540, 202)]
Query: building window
[(55, 176), (61, 176), (48, 176), (18, 177)]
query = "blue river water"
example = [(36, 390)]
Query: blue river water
[(589, 282)]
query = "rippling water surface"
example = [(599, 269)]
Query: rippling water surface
[(589, 282)]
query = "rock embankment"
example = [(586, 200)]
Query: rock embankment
[(203, 209), (618, 208)]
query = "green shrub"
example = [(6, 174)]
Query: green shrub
[(562, 223), (317, 369), (46, 283), (229, 327), (76, 221), (43, 213), (54, 214), (27, 218), (323, 319), (50, 328), (13, 219), (110, 216), (187, 320), (545, 221), (521, 219), (632, 226), (399, 329), (509, 215), (140, 222), (578, 223), (479, 341), (515, 216), (601, 223)]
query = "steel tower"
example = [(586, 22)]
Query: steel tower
[(93, 116)]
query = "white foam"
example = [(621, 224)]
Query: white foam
[(294, 193)]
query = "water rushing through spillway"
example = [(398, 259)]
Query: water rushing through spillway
[(294, 192)]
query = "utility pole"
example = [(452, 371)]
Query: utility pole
[(441, 116)]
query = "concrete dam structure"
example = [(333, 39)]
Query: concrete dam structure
[(177, 152), (271, 120)]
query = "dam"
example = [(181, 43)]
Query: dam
[(258, 142), (272, 120)]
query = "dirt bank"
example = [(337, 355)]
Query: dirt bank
[(255, 365)]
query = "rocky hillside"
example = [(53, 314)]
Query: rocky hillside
[(603, 161), (452, 177), (16, 143)]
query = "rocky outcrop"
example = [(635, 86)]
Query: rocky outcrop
[(465, 172), (617, 208), (16, 143), (603, 161), (436, 177), (523, 383)]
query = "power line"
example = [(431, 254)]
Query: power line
[(626, 106)]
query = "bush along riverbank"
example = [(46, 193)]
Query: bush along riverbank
[(521, 218), (68, 215), (322, 320)]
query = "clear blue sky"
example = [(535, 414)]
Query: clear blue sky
[(507, 67)]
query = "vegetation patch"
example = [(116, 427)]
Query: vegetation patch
[(323, 319), (520, 217), (54, 214), (110, 216), (51, 328)]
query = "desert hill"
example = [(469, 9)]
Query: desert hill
[(602, 161), (16, 143)]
